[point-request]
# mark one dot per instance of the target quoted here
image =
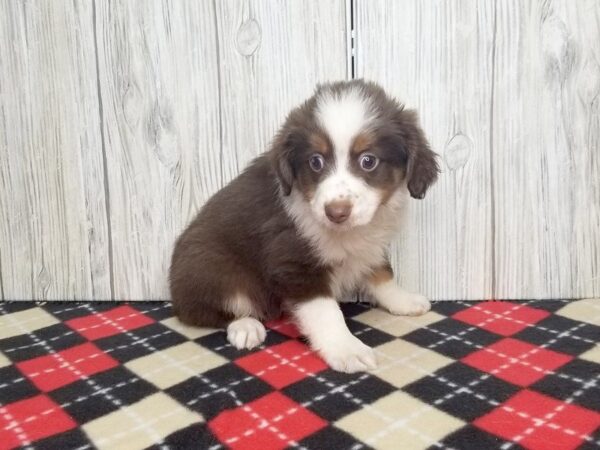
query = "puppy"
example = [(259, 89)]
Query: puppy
[(308, 222)]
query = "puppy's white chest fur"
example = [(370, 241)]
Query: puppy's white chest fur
[(352, 254), (348, 275)]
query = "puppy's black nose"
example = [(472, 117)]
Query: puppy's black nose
[(339, 211)]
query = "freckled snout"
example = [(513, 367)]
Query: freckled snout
[(338, 211)]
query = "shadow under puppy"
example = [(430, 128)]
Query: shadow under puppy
[(306, 223)]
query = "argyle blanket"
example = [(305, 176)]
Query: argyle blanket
[(479, 375)]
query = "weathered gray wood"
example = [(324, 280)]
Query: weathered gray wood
[(508, 92), (272, 54), (158, 70), (437, 57), (53, 229), (107, 153), (546, 149), (190, 95)]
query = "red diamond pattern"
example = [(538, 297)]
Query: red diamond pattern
[(109, 323), (271, 422), (284, 326), (31, 419), (502, 318), (538, 389), (539, 422), (517, 362), (59, 369), (283, 364)]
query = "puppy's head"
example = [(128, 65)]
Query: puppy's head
[(348, 149)]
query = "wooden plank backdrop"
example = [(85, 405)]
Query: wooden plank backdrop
[(546, 149), (159, 86), (53, 209), (509, 94), (119, 118), (442, 66)]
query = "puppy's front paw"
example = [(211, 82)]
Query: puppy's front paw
[(246, 333), (399, 301), (409, 304), (349, 355)]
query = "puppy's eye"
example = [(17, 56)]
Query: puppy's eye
[(368, 162), (316, 162)]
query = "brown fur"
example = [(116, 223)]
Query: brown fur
[(244, 242), (381, 274), (320, 143), (362, 143), (395, 138)]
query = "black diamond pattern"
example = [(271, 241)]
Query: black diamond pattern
[(325, 399)]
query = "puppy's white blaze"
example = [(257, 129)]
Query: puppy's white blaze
[(343, 185), (343, 116)]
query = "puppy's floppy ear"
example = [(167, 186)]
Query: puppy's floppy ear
[(422, 166), (282, 152), (285, 174)]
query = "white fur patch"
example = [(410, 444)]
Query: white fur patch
[(334, 342), (246, 333), (241, 306), (351, 252), (399, 301), (342, 185), (354, 247), (343, 116)]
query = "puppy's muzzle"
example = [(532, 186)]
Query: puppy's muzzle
[(338, 211)]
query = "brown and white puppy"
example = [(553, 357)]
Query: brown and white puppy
[(306, 223)]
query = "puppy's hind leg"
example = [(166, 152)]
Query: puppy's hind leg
[(388, 295), (245, 331)]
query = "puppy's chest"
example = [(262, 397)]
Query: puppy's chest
[(351, 264), (347, 277)]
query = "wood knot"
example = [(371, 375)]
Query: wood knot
[(160, 134), (131, 104), (43, 281), (248, 38), (457, 151), (558, 49)]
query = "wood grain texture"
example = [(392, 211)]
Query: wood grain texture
[(546, 149), (159, 85), (190, 94), (437, 57), (119, 118), (53, 228), (272, 54)]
